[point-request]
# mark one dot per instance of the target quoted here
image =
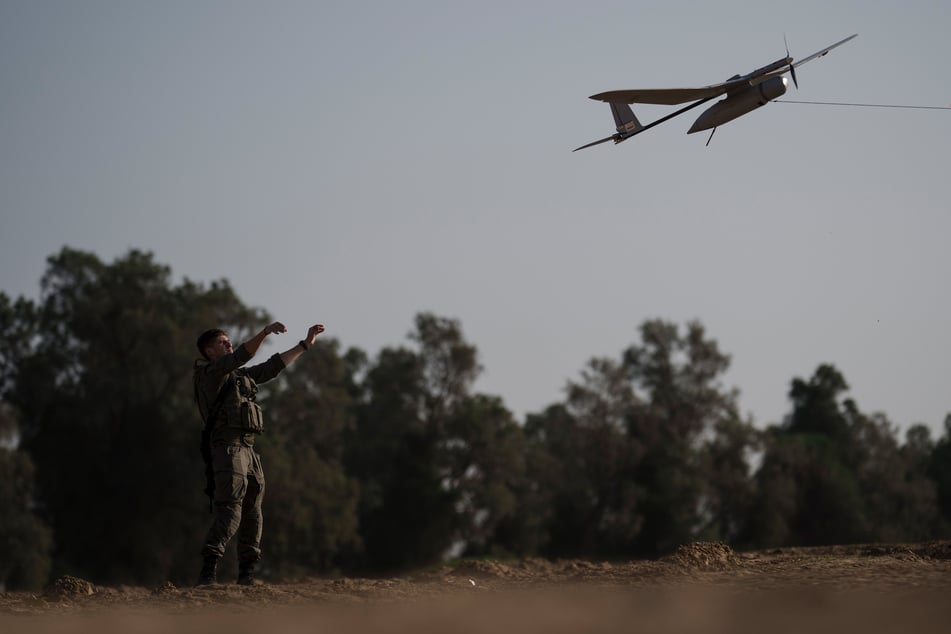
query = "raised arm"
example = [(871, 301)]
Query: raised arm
[(252, 344), (291, 355)]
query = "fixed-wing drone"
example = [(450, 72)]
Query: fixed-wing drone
[(744, 93)]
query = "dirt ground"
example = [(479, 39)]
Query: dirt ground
[(704, 587)]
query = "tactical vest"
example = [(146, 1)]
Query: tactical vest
[(239, 410)]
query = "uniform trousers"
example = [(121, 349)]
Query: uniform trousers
[(239, 491)]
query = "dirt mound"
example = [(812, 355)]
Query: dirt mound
[(536, 566), (896, 551), (531, 570), (166, 589), (937, 550), (67, 587), (934, 550), (483, 569), (703, 556)]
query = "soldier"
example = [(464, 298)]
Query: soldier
[(225, 395)]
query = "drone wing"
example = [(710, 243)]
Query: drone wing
[(671, 96), (663, 96), (823, 51), (802, 61)]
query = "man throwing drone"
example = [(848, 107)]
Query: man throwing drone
[(225, 392)]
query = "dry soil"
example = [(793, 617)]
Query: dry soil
[(703, 587)]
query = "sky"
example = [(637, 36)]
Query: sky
[(356, 163)]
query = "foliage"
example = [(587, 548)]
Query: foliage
[(831, 474), (310, 504), (392, 462), (104, 392), (486, 472), (435, 462), (25, 540), (645, 453), (938, 469), (684, 403)]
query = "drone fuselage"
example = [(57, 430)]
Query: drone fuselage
[(739, 103)]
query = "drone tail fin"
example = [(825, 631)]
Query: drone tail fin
[(627, 125), (624, 119)]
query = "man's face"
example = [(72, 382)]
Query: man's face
[(219, 347)]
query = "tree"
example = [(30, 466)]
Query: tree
[(682, 403), (104, 391), (398, 449), (832, 474), (555, 504), (449, 365), (17, 333), (816, 409), (310, 497), (900, 501), (939, 471), (486, 467), (25, 540), (729, 487), (644, 454), (805, 495), (600, 405)]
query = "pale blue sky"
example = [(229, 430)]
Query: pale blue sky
[(358, 162)]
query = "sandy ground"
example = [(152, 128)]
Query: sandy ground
[(704, 587)]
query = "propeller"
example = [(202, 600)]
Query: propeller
[(792, 69)]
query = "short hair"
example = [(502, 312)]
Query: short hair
[(207, 338)]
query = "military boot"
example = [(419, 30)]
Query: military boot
[(246, 573), (209, 572)]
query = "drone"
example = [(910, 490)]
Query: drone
[(744, 93)]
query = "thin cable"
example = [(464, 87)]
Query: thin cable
[(862, 105)]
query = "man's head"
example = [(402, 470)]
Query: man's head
[(214, 343)]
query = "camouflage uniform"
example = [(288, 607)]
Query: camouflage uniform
[(239, 477)]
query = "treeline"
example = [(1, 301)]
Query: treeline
[(381, 464)]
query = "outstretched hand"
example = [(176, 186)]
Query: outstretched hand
[(312, 333), (275, 328)]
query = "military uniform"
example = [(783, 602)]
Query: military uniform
[(239, 477)]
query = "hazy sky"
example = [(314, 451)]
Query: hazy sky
[(355, 163)]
